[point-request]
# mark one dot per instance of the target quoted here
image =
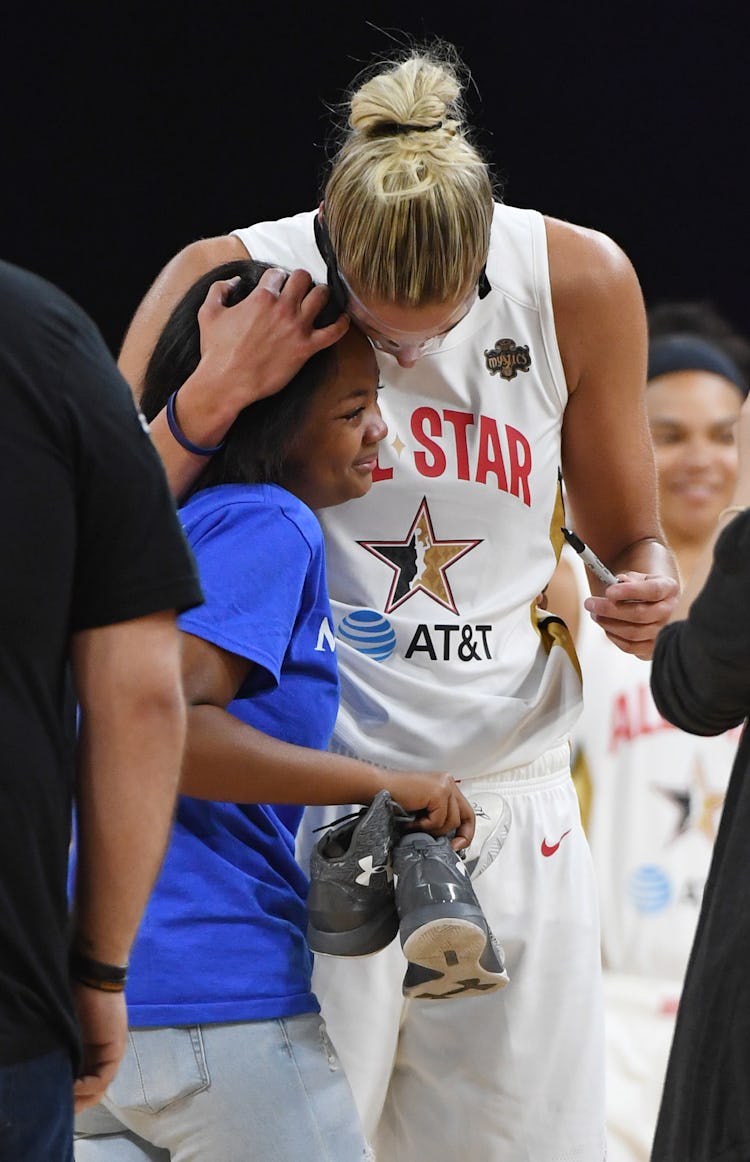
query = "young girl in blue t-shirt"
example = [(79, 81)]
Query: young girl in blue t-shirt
[(228, 1055)]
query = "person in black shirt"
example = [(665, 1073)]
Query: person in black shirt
[(700, 680), (94, 569)]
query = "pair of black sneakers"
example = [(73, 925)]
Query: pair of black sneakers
[(371, 878)]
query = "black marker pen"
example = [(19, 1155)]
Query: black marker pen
[(589, 558)]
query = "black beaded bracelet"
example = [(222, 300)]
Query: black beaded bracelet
[(109, 978), (180, 436)]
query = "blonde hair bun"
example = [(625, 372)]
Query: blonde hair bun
[(419, 92), (409, 200)]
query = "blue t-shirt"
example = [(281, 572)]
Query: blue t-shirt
[(223, 937)]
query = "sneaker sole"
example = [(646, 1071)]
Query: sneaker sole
[(449, 950)]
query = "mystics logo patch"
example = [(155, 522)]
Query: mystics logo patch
[(507, 358)]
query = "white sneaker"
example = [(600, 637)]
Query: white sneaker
[(493, 816)]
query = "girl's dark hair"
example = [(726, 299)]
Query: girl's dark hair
[(256, 445)]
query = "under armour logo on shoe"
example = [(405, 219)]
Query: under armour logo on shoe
[(370, 869), (351, 908)]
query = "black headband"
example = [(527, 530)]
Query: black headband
[(339, 294), (686, 352)]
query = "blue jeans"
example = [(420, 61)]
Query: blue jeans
[(36, 1109), (245, 1092)]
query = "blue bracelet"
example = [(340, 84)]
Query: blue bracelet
[(180, 436)]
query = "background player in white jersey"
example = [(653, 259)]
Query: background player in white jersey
[(655, 793), (509, 345)]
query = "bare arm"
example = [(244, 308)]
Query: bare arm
[(229, 761), (248, 351), (608, 461), (132, 731)]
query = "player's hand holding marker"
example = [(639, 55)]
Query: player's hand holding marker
[(589, 558), (633, 617)]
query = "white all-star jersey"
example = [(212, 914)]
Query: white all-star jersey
[(445, 662), (656, 795)]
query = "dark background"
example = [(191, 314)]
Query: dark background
[(128, 130)]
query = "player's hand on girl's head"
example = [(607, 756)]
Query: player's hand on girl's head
[(633, 611), (437, 797), (253, 348)]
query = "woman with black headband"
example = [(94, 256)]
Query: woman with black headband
[(511, 347), (653, 795)]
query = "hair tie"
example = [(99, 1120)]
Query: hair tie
[(397, 128), (683, 351)]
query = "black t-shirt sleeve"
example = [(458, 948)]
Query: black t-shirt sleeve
[(132, 557), (699, 675)]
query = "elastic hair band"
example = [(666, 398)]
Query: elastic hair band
[(396, 128), (683, 351), (180, 436), (108, 978)]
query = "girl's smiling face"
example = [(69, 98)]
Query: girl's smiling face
[(333, 455)]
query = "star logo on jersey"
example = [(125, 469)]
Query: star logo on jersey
[(420, 562), (697, 805), (370, 869)]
